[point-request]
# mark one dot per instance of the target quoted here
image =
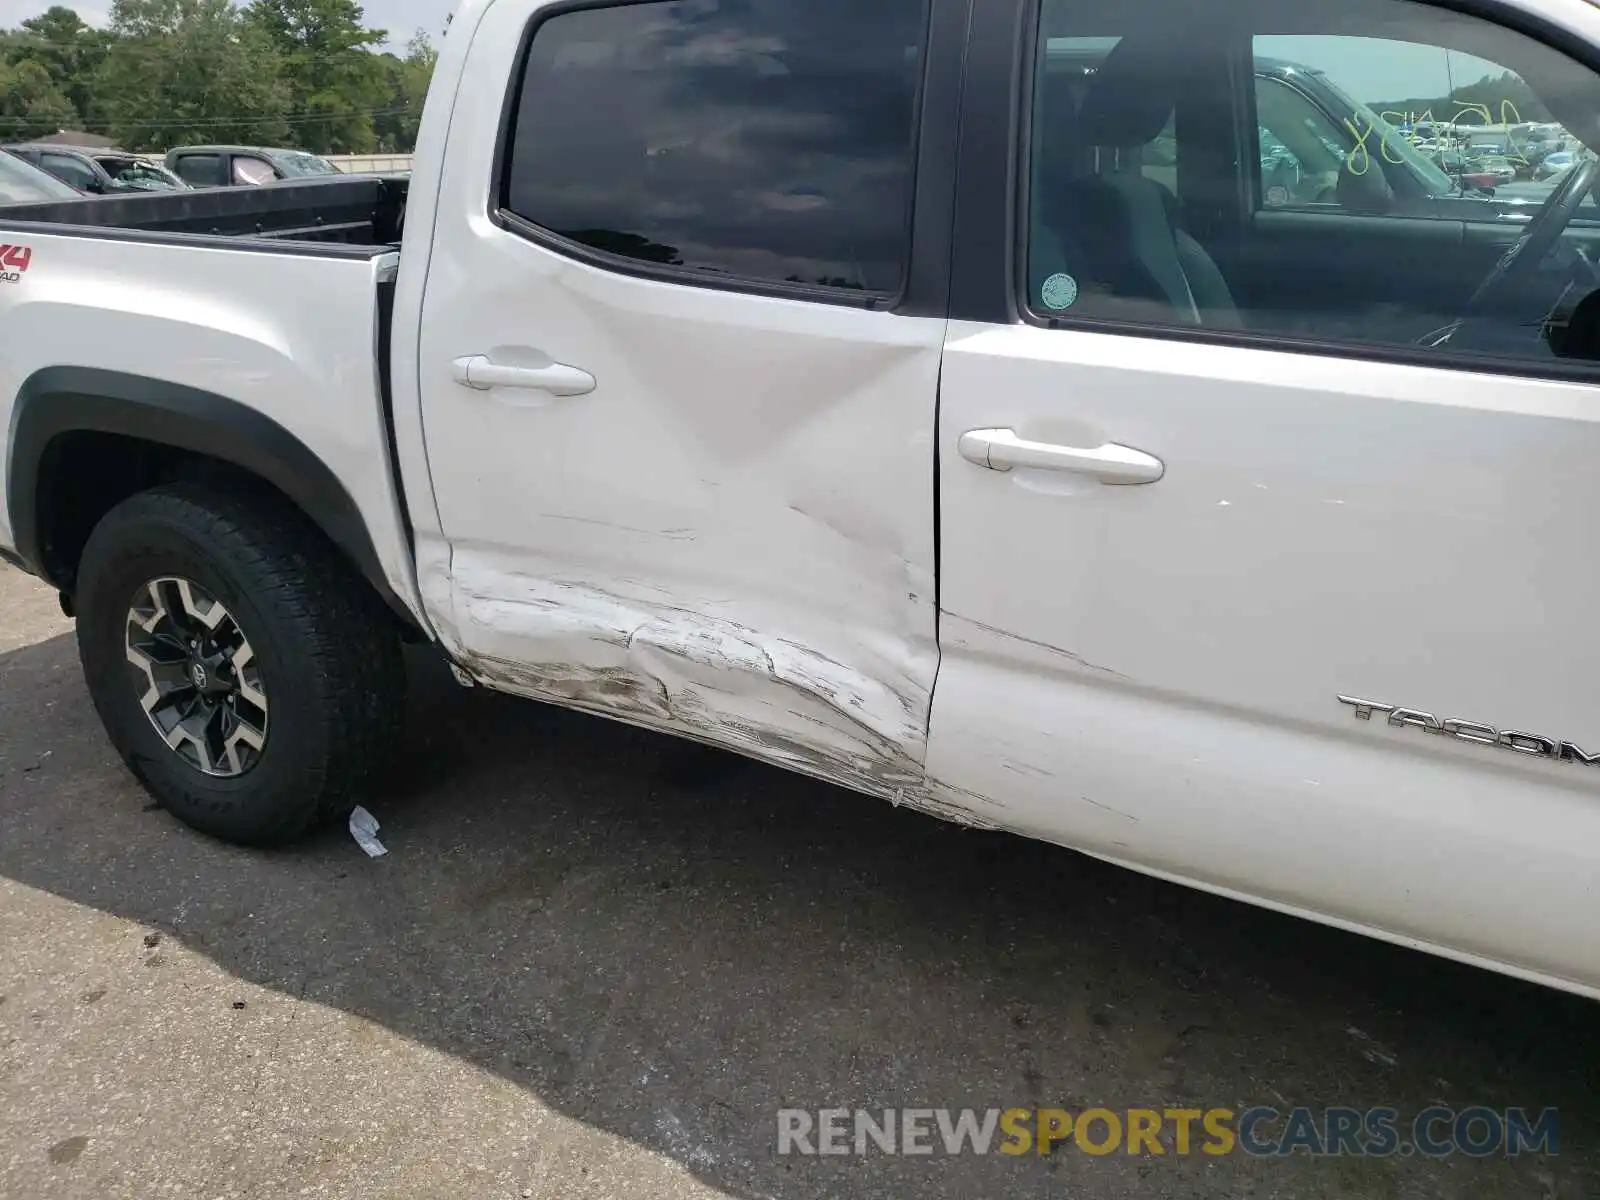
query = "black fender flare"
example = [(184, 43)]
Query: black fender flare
[(54, 401)]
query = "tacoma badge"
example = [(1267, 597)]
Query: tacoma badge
[(1471, 731)]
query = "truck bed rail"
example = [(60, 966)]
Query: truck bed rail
[(362, 210)]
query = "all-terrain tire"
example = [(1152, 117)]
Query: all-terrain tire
[(326, 655)]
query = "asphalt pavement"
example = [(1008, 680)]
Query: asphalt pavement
[(596, 963)]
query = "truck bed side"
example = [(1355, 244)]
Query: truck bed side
[(259, 353), (356, 211)]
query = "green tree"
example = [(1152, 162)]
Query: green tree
[(406, 86), (69, 51), (1505, 98), (185, 71), (336, 84), (31, 105)]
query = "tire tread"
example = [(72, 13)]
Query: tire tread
[(347, 640)]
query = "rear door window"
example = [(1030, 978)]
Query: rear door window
[(759, 140), (70, 170), (201, 170)]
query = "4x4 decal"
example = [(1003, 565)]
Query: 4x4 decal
[(14, 261)]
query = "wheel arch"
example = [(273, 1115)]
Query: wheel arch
[(136, 432)]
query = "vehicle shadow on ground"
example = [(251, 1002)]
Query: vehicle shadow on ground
[(670, 945)]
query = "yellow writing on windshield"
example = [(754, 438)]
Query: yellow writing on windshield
[(1358, 161), (1412, 119), (1410, 125)]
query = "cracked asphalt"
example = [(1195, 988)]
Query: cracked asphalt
[(595, 963)]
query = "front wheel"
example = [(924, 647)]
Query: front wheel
[(250, 680)]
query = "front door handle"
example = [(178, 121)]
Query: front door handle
[(481, 373), (1002, 449)]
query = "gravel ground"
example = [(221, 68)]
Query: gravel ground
[(596, 963)]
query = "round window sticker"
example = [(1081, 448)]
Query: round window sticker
[(1059, 291), (1277, 195)]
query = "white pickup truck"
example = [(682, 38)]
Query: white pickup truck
[(951, 400)]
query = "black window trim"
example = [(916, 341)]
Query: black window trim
[(988, 282), (930, 207)]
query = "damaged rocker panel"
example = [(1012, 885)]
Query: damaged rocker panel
[(851, 711), (803, 744)]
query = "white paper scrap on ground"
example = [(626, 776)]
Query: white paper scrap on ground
[(364, 828)]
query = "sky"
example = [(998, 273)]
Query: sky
[(401, 18), (1369, 69), (1372, 69), (1365, 68)]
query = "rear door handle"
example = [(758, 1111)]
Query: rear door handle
[(480, 373), (1002, 449)]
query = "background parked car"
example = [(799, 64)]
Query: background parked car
[(1467, 171), (1502, 168), (1555, 163), (99, 172), (233, 166), (23, 183)]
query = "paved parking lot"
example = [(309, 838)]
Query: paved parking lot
[(595, 965)]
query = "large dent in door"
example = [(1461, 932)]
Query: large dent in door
[(731, 540)]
